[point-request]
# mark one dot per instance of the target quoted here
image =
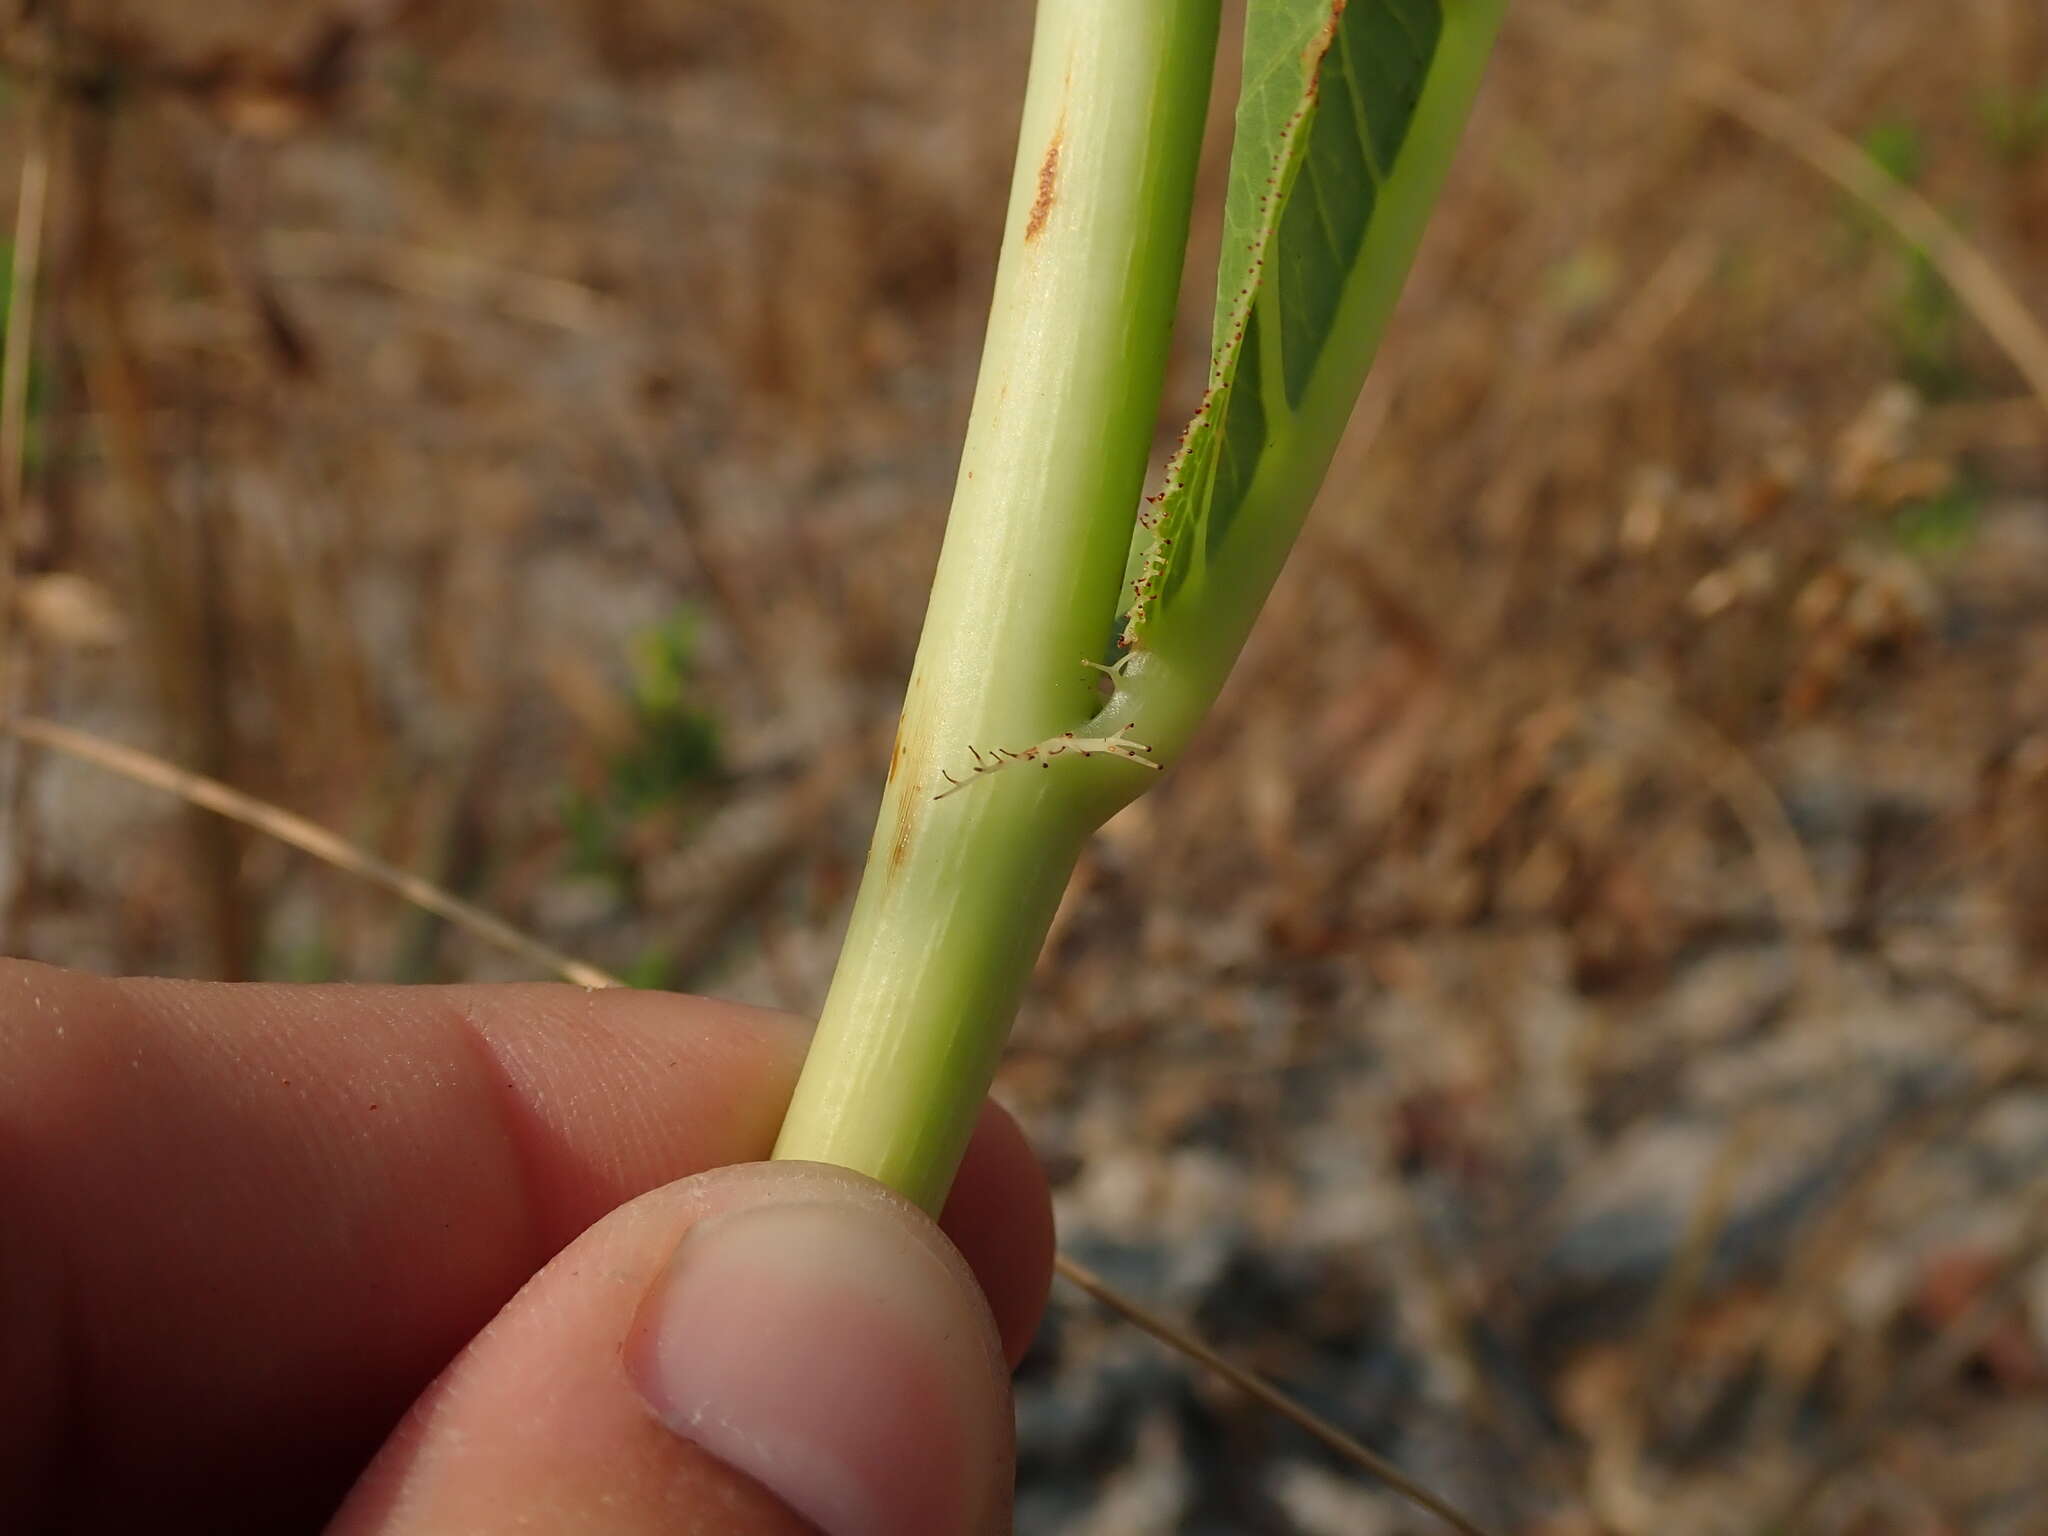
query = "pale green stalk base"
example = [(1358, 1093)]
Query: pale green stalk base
[(958, 893)]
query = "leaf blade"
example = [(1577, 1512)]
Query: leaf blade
[(1328, 108)]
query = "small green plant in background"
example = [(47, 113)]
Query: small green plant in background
[(1926, 329), (675, 746), (1942, 524), (309, 959), (2016, 122), (652, 970), (1897, 148), (1054, 572), (1923, 320), (669, 757)]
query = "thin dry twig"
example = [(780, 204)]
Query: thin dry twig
[(212, 795), (296, 831), (444, 277), (1980, 286), (1970, 274), (1262, 1392)]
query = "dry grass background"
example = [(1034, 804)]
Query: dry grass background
[(1577, 1015)]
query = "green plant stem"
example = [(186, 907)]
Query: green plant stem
[(958, 892)]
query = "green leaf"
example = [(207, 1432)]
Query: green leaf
[(1333, 143)]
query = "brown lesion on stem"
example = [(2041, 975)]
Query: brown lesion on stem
[(899, 841), (895, 756), (1048, 184), (899, 846), (908, 805)]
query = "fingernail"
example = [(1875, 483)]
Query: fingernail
[(837, 1358)]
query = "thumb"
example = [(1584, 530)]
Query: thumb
[(771, 1347)]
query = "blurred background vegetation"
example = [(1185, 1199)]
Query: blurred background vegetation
[(1578, 1016)]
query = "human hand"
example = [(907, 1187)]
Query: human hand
[(243, 1228)]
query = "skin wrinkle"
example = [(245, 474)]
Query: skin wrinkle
[(412, 1091), (544, 1120), (508, 1113)]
